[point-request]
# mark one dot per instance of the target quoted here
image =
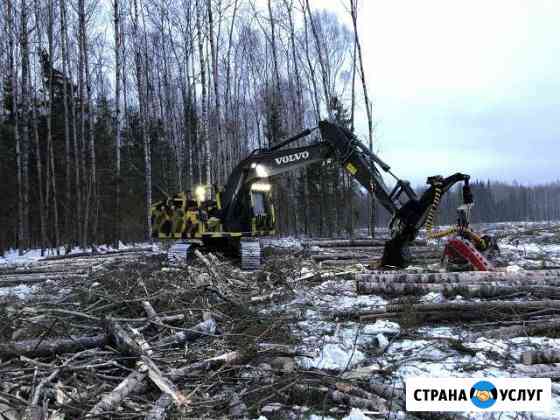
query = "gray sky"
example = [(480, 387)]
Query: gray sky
[(470, 86)]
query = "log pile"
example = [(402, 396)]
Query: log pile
[(66, 267), (343, 252)]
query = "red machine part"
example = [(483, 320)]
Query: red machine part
[(461, 247)]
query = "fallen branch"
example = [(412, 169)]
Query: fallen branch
[(208, 266), (163, 383), (35, 411), (204, 328), (48, 347), (204, 365), (164, 402), (133, 383), (150, 311)]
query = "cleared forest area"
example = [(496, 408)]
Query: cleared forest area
[(131, 334)]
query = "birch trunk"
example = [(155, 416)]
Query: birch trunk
[(81, 59), (24, 144), (203, 110), (116, 20), (217, 105), (354, 13), (43, 208), (15, 116), (142, 98), (92, 182), (68, 180), (49, 127), (322, 63)]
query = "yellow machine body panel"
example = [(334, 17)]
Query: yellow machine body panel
[(184, 216)]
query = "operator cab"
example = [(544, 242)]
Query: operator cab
[(261, 207)]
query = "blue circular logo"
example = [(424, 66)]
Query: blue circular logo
[(483, 394)]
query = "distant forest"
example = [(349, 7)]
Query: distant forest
[(107, 106), (499, 202)]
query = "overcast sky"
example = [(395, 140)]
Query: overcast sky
[(470, 86)]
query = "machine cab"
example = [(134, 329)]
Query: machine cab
[(262, 209)]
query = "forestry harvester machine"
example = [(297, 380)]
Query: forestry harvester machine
[(236, 216)]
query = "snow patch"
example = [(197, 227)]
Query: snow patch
[(334, 357), (21, 291)]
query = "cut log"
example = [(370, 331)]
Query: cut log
[(536, 328), (344, 263), (389, 392), (330, 243), (465, 310), (44, 269), (467, 306), (484, 290), (325, 276), (99, 255), (458, 277), (365, 256), (373, 403), (538, 357), (14, 280), (551, 371), (49, 347)]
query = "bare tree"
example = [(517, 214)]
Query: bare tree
[(203, 98), (354, 14), (117, 30), (50, 35), (15, 115), (141, 79), (25, 110)]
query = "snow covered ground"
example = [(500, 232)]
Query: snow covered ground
[(12, 257), (383, 352), (386, 351)]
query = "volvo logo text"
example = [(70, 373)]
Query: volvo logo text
[(292, 158)]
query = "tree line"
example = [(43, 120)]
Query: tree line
[(499, 202), (109, 105)]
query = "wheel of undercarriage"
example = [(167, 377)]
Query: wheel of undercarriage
[(250, 254)]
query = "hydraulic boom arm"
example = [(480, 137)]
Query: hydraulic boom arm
[(409, 212)]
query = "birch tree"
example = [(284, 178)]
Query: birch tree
[(203, 98), (117, 31)]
